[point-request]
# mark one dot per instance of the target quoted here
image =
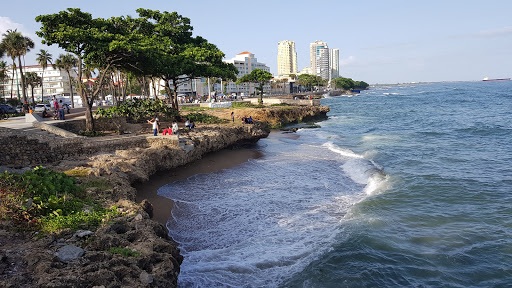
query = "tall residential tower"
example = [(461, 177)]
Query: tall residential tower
[(286, 58), (334, 63), (319, 58)]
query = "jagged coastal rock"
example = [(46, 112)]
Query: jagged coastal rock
[(154, 258)]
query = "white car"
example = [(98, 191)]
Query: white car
[(40, 107)]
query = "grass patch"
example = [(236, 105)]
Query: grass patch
[(242, 105), (78, 172), (194, 108), (101, 184), (48, 201), (125, 252), (78, 220)]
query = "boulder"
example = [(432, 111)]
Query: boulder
[(69, 253)]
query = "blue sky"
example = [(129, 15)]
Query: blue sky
[(379, 41)]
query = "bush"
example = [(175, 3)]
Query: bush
[(138, 109), (49, 201)]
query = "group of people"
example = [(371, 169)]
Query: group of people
[(57, 109), (247, 120), (170, 130)]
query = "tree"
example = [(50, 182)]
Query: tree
[(3, 76), (43, 58), (177, 56), (32, 80), (344, 83), (16, 45), (67, 62), (97, 43), (259, 77), (361, 85), (309, 81)]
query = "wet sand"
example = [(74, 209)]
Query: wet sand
[(212, 162)]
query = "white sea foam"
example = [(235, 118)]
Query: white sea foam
[(342, 151), (257, 224)]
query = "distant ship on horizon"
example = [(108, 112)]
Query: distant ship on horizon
[(499, 79)]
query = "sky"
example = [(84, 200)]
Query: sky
[(380, 41)]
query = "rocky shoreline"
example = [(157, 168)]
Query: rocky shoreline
[(28, 261)]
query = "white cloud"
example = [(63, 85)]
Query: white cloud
[(6, 23)]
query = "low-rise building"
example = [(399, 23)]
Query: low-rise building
[(55, 83)]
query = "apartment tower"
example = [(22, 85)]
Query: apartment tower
[(286, 58), (319, 58), (334, 63)]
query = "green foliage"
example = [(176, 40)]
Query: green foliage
[(242, 105), (206, 118), (125, 252), (186, 108), (309, 81), (361, 85), (78, 220), (91, 133), (348, 84), (138, 109), (259, 77), (48, 200)]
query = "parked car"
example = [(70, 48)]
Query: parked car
[(40, 107), (6, 108), (19, 108)]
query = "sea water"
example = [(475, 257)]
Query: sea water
[(403, 186)]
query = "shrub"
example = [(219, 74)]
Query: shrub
[(138, 109), (49, 201)]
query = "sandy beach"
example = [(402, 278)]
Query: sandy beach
[(212, 162)]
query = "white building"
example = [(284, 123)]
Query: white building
[(286, 58), (55, 83), (334, 63), (314, 54), (245, 62), (306, 70), (322, 63)]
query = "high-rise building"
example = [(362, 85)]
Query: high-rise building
[(314, 52), (286, 58), (322, 63), (334, 63)]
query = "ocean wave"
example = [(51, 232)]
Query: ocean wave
[(341, 151)]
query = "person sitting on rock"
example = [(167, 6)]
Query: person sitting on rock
[(187, 124), (175, 128), (168, 131)]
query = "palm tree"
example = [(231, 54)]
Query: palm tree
[(3, 76), (43, 58), (32, 79), (67, 62), (16, 46)]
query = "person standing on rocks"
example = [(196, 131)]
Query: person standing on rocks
[(175, 128), (156, 125), (233, 116)]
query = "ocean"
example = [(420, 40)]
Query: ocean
[(402, 186)]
